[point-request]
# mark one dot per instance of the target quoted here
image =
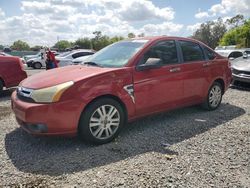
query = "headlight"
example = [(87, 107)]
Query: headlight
[(235, 71), (50, 94)]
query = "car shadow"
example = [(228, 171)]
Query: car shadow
[(57, 156), (5, 94)]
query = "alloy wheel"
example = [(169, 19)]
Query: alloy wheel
[(215, 96), (104, 122)]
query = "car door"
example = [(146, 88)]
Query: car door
[(9, 70), (194, 70), (160, 88)]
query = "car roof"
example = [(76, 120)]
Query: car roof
[(82, 50), (155, 38), (164, 37)]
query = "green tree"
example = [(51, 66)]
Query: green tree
[(98, 35), (116, 39), (210, 32), (62, 45), (36, 48), (100, 41), (131, 35), (20, 45), (239, 36), (84, 43), (141, 35), (235, 21), (1, 47)]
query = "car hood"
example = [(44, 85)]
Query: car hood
[(61, 75), (63, 58), (80, 59), (30, 56), (241, 64), (35, 59)]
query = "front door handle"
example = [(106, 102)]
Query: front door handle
[(206, 64), (175, 69)]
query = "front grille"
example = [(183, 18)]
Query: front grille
[(235, 71), (25, 99)]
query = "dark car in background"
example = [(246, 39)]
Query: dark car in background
[(11, 71)]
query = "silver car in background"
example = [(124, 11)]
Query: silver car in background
[(241, 69), (67, 58)]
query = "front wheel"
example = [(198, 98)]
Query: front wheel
[(214, 97), (102, 121), (37, 65)]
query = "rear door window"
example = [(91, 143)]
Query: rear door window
[(209, 53), (191, 51)]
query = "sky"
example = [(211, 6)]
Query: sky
[(44, 22)]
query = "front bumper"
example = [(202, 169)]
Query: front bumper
[(59, 118), (241, 78), (29, 63)]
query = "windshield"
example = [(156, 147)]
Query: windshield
[(117, 54)]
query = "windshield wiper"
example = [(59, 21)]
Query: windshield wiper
[(91, 63)]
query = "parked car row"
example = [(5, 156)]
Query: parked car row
[(122, 82), (63, 59), (68, 57), (231, 52), (36, 61)]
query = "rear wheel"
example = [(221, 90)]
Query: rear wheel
[(37, 65), (102, 121), (214, 97)]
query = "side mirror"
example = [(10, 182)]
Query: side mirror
[(151, 63)]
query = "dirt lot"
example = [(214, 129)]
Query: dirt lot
[(184, 148)]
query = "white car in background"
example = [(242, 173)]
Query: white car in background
[(80, 60), (68, 57), (28, 57), (231, 52)]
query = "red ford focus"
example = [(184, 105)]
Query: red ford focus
[(122, 82)]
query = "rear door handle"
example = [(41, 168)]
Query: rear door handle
[(175, 69)]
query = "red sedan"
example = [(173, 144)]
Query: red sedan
[(11, 71), (122, 82)]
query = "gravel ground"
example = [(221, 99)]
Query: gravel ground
[(188, 147)]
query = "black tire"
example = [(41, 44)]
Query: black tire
[(212, 105), (104, 126), (1, 86), (37, 65)]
